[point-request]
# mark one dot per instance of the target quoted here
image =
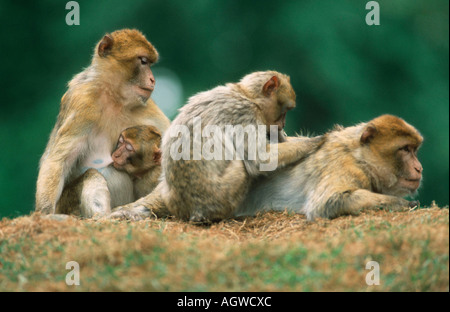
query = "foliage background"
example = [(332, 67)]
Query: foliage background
[(342, 70)]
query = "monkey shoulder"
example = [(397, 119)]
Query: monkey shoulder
[(340, 154)]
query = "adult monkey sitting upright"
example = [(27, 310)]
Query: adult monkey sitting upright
[(112, 94)]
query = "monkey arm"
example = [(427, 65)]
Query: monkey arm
[(56, 165), (364, 199), (289, 152), (352, 202)]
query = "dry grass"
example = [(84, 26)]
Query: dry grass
[(270, 252)]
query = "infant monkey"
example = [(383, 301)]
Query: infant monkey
[(138, 154), (133, 173)]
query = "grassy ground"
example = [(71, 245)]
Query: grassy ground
[(270, 252)]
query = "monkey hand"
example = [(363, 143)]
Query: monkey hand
[(413, 205)]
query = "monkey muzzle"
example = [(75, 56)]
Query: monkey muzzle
[(281, 121), (411, 184)]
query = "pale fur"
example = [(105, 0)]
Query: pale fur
[(207, 190)]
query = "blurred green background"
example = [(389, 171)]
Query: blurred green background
[(343, 70)]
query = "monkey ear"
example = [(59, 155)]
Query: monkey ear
[(270, 86), (368, 134), (157, 156), (105, 46)]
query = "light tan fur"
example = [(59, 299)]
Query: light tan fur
[(209, 190), (368, 166), (112, 94)]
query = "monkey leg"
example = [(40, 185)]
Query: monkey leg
[(87, 196), (70, 201), (364, 199), (219, 197), (148, 206), (95, 200)]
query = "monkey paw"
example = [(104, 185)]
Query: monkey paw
[(413, 205)]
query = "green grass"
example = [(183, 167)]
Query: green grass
[(270, 252)]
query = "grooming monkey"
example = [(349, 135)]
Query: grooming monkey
[(206, 190), (112, 94), (367, 166)]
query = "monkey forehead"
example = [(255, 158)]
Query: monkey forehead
[(131, 42), (263, 76), (389, 125), (256, 80), (142, 131)]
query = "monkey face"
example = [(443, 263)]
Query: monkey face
[(394, 145), (142, 79), (284, 104), (410, 173), (134, 55), (281, 97), (123, 153), (137, 150)]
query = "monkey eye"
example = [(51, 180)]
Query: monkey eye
[(405, 148), (129, 147), (121, 139), (144, 60)]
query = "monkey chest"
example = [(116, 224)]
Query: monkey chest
[(98, 154)]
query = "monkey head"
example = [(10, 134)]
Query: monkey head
[(391, 145), (137, 150), (274, 94), (129, 53)]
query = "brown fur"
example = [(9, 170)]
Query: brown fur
[(112, 94), (143, 164), (356, 168)]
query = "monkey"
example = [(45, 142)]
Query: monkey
[(133, 173), (138, 154), (209, 189), (368, 166), (110, 95), (103, 187)]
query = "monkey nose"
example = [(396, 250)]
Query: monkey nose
[(419, 169)]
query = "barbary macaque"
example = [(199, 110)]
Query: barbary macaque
[(133, 173), (368, 166), (205, 187), (112, 94), (138, 154)]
